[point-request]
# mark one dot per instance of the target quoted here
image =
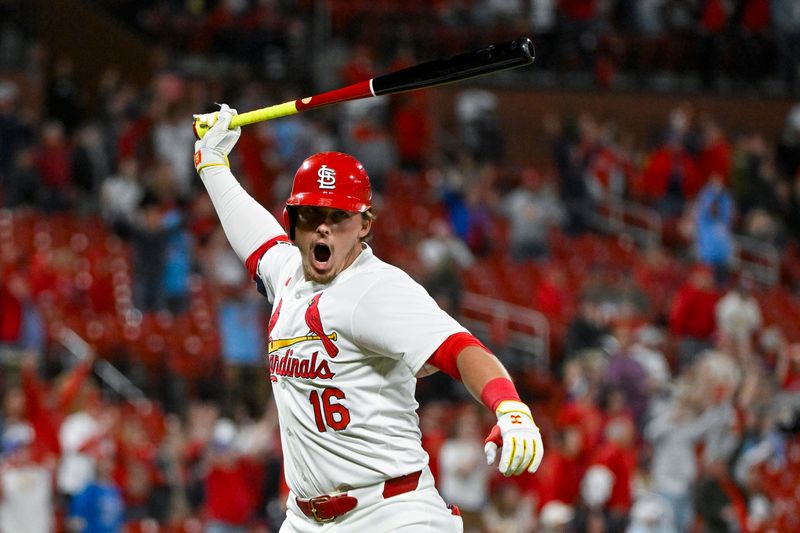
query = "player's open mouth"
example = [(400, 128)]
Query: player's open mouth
[(322, 254)]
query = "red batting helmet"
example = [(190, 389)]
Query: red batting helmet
[(329, 179)]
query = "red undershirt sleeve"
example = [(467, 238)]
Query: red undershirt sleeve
[(445, 357)]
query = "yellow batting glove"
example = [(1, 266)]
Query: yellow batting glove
[(213, 149), (518, 436)]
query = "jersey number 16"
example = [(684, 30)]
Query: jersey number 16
[(337, 417)]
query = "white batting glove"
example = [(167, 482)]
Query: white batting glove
[(521, 442), (213, 149)]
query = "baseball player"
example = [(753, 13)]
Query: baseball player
[(348, 336)]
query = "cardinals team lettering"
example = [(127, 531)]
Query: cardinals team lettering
[(289, 366), (286, 364)]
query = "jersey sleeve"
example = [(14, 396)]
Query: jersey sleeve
[(247, 225), (395, 317), (275, 265)]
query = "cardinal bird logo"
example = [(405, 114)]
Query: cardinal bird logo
[(314, 323)]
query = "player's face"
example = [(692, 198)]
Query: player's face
[(329, 240)]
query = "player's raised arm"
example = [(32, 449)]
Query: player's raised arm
[(465, 358), (247, 225)]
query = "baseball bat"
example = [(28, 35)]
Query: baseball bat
[(487, 60)]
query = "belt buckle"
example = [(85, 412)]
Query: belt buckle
[(312, 503)]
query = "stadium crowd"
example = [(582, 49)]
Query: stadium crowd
[(669, 400), (724, 44)]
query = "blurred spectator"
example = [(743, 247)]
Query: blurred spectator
[(651, 514), (230, 495), (90, 165), (22, 328), (469, 213), (360, 66), (533, 209), (479, 132), (463, 475), (53, 161), (788, 154), (596, 488), (83, 436), (579, 25), (571, 185), (713, 18), (557, 517), (714, 214), (21, 180), (372, 144), (762, 226), (627, 374), (543, 19), (659, 273), (241, 316), (509, 511), (64, 98), (614, 466), (150, 234), (786, 23), (434, 431), (714, 157), (692, 317), (11, 134), (719, 376), (559, 476), (674, 431), (587, 329), (120, 193), (177, 262), (173, 143), (412, 130), (739, 316), (608, 162), (754, 33), (669, 177), (648, 351), (553, 295), (443, 256), (99, 506), (26, 484)]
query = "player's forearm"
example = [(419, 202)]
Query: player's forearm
[(246, 223), (478, 368)]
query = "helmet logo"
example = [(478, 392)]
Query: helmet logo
[(327, 177)]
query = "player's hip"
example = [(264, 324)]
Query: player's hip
[(409, 503)]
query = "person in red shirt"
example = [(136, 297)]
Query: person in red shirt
[(614, 462), (559, 477), (692, 318), (53, 161), (669, 178), (715, 155), (231, 495)]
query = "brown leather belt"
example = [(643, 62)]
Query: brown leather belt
[(326, 508)]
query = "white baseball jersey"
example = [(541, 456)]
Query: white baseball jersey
[(343, 357)]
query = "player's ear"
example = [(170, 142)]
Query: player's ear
[(366, 225)]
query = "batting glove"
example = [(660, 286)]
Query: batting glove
[(517, 435), (213, 149)]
